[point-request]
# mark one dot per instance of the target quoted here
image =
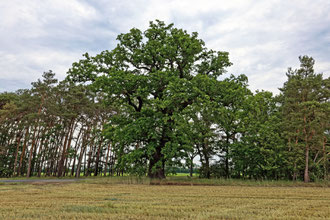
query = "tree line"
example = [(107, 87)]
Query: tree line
[(156, 103), (51, 129)]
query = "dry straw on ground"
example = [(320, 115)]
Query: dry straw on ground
[(105, 200)]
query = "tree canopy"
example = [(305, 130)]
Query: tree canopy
[(155, 76), (155, 104)]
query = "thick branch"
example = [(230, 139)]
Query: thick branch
[(131, 103)]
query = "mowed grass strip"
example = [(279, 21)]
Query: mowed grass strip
[(100, 200)]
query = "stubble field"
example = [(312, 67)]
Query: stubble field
[(102, 199)]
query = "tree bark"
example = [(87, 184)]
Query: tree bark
[(18, 139), (96, 171), (156, 167), (107, 160), (157, 164), (32, 149), (306, 174), (75, 151), (325, 159), (191, 165), (20, 172), (67, 141), (82, 152), (227, 155)]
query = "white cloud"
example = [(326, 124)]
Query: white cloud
[(262, 37)]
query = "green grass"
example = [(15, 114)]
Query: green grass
[(184, 180), (174, 198)]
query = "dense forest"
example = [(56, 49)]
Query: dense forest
[(155, 104)]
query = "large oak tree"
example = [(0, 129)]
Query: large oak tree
[(153, 76)]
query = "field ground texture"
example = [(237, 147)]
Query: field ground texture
[(120, 198)]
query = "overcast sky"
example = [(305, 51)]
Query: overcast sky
[(263, 38)]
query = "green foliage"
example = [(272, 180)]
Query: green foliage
[(305, 98), (154, 77), (154, 104), (259, 153)]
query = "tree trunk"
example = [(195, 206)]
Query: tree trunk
[(19, 137), (96, 171), (111, 163), (82, 152), (41, 153), (37, 127), (227, 155), (32, 149), (156, 167), (75, 151), (66, 164), (325, 160), (306, 174), (20, 171), (191, 165), (157, 164), (89, 161), (41, 165), (106, 161), (207, 167), (61, 162), (67, 141), (80, 161)]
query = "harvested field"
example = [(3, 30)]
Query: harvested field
[(111, 200)]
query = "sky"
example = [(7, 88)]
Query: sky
[(263, 38)]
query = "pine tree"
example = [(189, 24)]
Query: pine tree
[(303, 98)]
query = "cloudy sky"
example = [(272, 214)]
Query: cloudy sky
[(263, 38)]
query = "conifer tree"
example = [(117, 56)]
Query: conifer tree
[(305, 103)]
